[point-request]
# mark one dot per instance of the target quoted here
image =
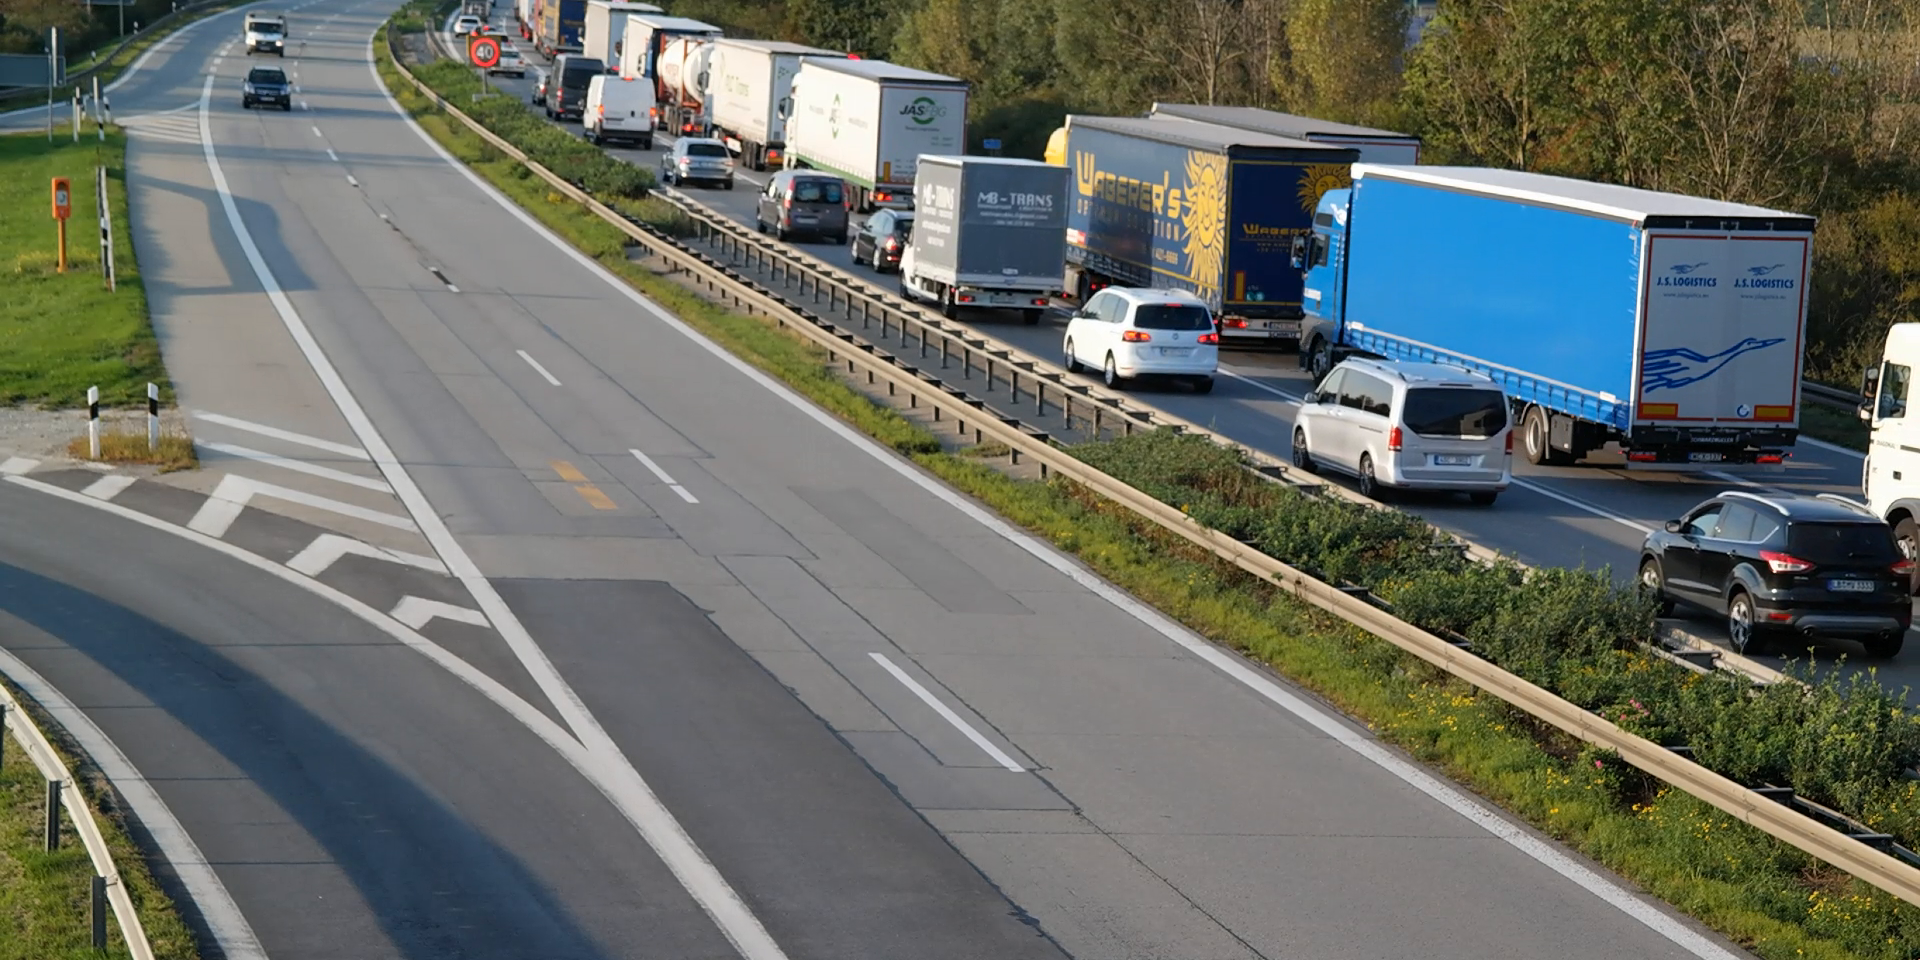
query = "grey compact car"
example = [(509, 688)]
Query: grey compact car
[(803, 202), (697, 160)]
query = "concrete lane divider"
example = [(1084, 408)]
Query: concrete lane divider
[(1761, 810), (108, 889)]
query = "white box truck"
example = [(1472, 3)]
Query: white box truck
[(606, 27), (869, 121), (747, 81), (988, 233)]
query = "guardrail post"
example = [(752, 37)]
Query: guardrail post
[(3, 736), (99, 912), (53, 815)]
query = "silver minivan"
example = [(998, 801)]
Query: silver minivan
[(1408, 426), (803, 202)]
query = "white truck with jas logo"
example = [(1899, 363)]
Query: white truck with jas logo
[(988, 233), (869, 121)]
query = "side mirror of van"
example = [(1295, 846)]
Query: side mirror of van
[(1869, 391)]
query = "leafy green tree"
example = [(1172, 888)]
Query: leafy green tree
[(1344, 58), (865, 27)]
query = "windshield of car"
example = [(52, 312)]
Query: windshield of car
[(817, 191), (903, 227), (266, 75), (1172, 316), (1455, 412), (581, 72), (1842, 543), (706, 150)]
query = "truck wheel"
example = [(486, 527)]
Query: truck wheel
[(1319, 359), (948, 308), (1032, 317), (1540, 449), (1906, 533)]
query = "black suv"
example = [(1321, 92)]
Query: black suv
[(567, 85), (1817, 566), (267, 85)]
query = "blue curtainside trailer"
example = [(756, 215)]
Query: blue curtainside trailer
[(1670, 325), (1213, 210)]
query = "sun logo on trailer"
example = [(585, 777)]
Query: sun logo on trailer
[(1317, 178), (1204, 214)]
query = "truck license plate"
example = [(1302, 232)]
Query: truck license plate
[(1002, 299), (1850, 586), (1283, 328), (1445, 460), (1706, 457)]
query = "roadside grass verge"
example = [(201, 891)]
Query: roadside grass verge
[(115, 66), (61, 333), (1761, 893), (1834, 425), (175, 451), (44, 897)]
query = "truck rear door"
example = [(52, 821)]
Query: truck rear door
[(1723, 320)]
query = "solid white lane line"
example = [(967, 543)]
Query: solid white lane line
[(210, 896), (535, 364), (108, 487), (279, 434), (662, 474), (1445, 794), (604, 762), (297, 466), (926, 696)]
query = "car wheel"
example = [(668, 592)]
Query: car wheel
[(1742, 634), (550, 113), (1369, 484), (646, 144), (856, 256), (728, 185), (1906, 534), (1110, 374), (759, 226), (1483, 498), (288, 107), (840, 238), (1654, 582), (1302, 457), (1885, 648), (1069, 361)]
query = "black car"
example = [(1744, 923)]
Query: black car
[(883, 239), (267, 85), (1783, 564), (567, 85)]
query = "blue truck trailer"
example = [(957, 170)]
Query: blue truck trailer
[(1670, 325), (562, 23), (1179, 204)]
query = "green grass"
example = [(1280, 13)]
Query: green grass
[(62, 333), (1834, 425), (1755, 890), (115, 65), (44, 897)]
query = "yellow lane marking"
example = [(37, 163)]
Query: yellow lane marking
[(594, 497)]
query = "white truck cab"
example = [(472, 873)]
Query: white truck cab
[(1890, 477)]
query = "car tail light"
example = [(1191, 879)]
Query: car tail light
[(1779, 616), (893, 243), (1238, 323), (653, 113), (1903, 567), (1135, 336), (1784, 562), (601, 110), (1509, 442), (1209, 338), (1393, 440), (787, 204)]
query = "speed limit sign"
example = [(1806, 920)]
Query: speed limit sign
[(484, 51)]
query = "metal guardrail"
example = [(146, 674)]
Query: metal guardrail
[(1853, 850), (64, 792), (1830, 396)]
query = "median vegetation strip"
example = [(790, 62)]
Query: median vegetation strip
[(1845, 742), (45, 897)]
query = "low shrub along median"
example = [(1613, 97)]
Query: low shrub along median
[(1761, 893)]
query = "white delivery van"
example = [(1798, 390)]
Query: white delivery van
[(619, 109)]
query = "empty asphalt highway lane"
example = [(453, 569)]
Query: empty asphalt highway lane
[(353, 799), (887, 724)]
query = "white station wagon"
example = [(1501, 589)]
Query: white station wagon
[(1129, 333)]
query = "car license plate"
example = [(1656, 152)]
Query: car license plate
[(1445, 460), (1175, 351), (804, 218), (1850, 586), (1706, 457)]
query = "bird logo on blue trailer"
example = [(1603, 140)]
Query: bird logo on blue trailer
[(1680, 366)]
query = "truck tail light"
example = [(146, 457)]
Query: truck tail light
[(1393, 440), (1769, 458), (1039, 301), (965, 298), (1641, 456), (1135, 336), (1207, 337), (1238, 323), (1902, 567), (773, 157), (882, 197), (1784, 562)]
